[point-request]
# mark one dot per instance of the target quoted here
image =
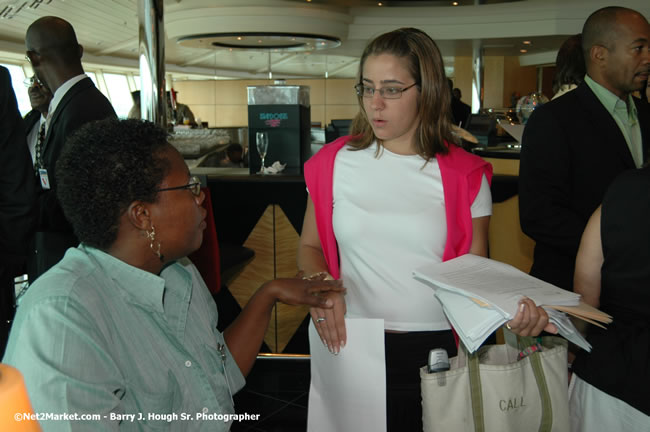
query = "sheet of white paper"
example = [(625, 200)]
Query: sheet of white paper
[(498, 284), (472, 322), (515, 130), (498, 287), (348, 391), (567, 329)]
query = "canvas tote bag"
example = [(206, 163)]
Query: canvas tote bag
[(490, 390)]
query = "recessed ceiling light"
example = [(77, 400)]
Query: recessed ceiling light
[(380, 4), (527, 42), (265, 41), (454, 3), (523, 50)]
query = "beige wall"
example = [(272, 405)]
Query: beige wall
[(224, 103), (493, 81), (522, 79), (463, 77), (502, 76)]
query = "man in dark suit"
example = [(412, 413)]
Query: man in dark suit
[(574, 146), (460, 111), (55, 55), (17, 194)]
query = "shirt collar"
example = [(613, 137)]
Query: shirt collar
[(609, 100), (61, 91), (138, 286)]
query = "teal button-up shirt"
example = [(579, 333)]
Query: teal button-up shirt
[(97, 336), (625, 116)]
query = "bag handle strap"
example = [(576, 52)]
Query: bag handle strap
[(475, 389), (547, 410), (476, 392)]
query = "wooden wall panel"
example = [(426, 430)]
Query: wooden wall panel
[(507, 243), (493, 81), (340, 92), (318, 115), (196, 92), (275, 243), (517, 78), (463, 77), (204, 113), (340, 112), (231, 115)]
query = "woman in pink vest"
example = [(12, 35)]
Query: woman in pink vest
[(395, 195)]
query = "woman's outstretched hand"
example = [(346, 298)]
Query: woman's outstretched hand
[(330, 323)]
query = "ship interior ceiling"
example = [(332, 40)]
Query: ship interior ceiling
[(109, 32)]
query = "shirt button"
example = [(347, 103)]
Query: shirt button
[(205, 410), (188, 363)]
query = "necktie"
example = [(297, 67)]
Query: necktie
[(38, 160)]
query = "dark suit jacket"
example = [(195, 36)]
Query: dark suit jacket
[(83, 103), (17, 179), (31, 118), (17, 195), (572, 149), (460, 112)]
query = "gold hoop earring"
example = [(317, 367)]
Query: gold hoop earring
[(152, 239)]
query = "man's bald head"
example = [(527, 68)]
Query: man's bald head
[(615, 44), (53, 51), (603, 28), (54, 37)]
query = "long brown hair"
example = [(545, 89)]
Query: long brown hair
[(424, 62)]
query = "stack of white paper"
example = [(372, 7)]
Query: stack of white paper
[(479, 295)]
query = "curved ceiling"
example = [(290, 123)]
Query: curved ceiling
[(108, 29)]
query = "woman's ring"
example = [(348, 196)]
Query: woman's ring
[(508, 326), (320, 320)]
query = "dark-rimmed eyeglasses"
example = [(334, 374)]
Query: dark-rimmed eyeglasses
[(194, 186), (385, 92)]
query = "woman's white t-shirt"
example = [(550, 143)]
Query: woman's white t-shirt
[(389, 219)]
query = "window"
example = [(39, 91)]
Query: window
[(17, 78), (119, 94), (93, 78)]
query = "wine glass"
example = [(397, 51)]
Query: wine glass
[(262, 141)]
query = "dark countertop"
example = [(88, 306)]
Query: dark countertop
[(498, 152), (243, 175)]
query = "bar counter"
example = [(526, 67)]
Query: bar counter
[(504, 159), (262, 213)]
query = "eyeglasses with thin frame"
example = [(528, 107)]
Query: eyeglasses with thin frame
[(385, 92), (194, 186), (28, 57), (31, 81)]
